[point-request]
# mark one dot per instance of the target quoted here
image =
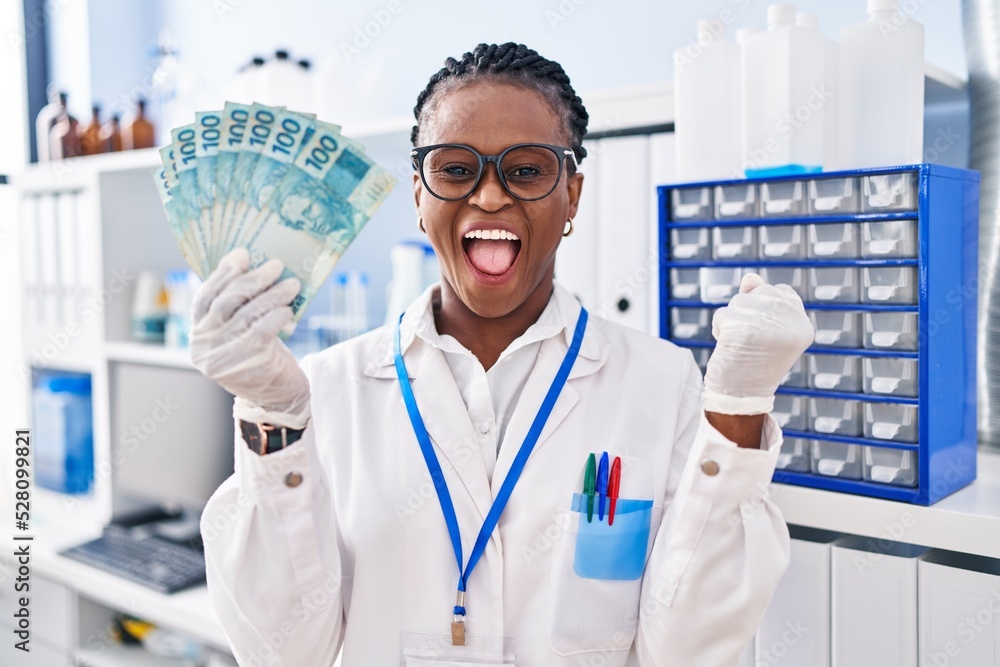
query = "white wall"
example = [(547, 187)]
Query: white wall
[(601, 44), (13, 414)]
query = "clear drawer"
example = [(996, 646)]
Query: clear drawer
[(782, 242), (796, 375), (834, 416), (831, 196), (836, 284), (890, 375), (834, 372), (793, 276), (833, 240), (794, 455), (890, 466), (889, 284), (836, 328), (891, 421), (734, 242), (736, 201), (685, 284), (890, 192), (836, 459), (691, 204), (690, 243), (790, 412), (691, 323), (889, 239), (718, 285), (782, 199), (891, 331)]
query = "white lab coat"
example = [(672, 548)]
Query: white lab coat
[(357, 552)]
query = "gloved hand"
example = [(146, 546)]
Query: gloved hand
[(235, 321), (759, 335)]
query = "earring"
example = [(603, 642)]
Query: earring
[(420, 224), (567, 232)]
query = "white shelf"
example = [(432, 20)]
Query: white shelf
[(151, 354), (78, 172), (967, 521), (123, 656)]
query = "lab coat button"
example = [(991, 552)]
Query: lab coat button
[(710, 467), (293, 479)]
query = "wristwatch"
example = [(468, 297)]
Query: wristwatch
[(268, 438)]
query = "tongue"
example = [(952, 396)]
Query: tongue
[(493, 257)]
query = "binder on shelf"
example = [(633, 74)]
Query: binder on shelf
[(874, 602), (959, 609), (795, 629), (887, 262)]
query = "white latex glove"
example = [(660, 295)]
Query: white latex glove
[(759, 335), (235, 321)]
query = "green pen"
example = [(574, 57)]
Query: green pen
[(589, 484)]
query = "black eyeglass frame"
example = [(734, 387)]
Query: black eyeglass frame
[(562, 152)]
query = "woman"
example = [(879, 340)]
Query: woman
[(361, 519)]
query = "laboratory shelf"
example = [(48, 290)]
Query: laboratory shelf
[(885, 260), (967, 521), (148, 353), (112, 655)]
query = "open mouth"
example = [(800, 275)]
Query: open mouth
[(492, 252)]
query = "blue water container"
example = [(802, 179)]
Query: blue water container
[(63, 433)]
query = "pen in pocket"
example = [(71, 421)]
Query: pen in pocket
[(589, 482), (614, 483)]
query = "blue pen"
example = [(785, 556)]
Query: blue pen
[(602, 485)]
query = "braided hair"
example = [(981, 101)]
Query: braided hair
[(514, 63)]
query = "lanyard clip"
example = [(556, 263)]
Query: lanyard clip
[(458, 620)]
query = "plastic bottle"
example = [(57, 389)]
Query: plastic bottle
[(882, 89), (284, 83), (707, 106), (784, 98), (64, 435), (90, 140), (244, 87), (140, 132), (831, 84), (44, 121)]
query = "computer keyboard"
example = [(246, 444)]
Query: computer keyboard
[(145, 559)]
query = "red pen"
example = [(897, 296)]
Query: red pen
[(614, 481)]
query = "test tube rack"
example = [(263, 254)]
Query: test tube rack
[(883, 404)]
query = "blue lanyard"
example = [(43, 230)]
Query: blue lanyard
[(437, 475)]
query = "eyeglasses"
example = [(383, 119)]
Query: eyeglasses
[(528, 171)]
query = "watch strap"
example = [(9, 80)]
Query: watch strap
[(267, 438)]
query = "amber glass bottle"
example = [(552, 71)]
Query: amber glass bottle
[(90, 140), (139, 133), (111, 135), (64, 137)]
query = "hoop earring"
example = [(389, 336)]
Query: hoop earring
[(567, 232), (420, 224)]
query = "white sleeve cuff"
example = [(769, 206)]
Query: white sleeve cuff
[(736, 405), (727, 472)]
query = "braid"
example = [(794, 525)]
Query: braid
[(515, 63)]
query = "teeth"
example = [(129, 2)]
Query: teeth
[(497, 234)]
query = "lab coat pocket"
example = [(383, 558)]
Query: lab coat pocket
[(597, 577), (606, 550)]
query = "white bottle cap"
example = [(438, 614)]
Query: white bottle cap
[(807, 20), (743, 34), (882, 6), (783, 14)]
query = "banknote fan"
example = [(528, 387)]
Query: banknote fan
[(279, 183)]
